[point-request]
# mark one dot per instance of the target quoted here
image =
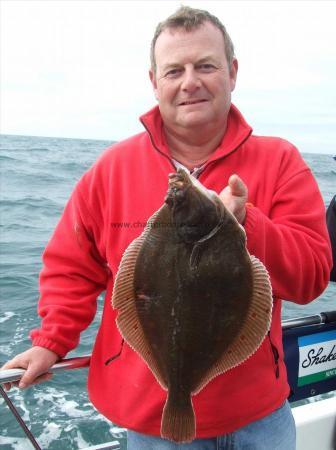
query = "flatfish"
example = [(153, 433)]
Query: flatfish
[(191, 300)]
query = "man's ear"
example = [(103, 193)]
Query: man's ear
[(233, 73), (152, 77)]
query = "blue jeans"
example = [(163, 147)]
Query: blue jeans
[(274, 432)]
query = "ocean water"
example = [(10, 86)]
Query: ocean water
[(37, 176)]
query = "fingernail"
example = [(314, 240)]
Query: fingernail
[(22, 385)]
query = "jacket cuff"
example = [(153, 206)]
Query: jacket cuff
[(251, 219), (252, 229), (48, 344)]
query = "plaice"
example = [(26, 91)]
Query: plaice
[(191, 301)]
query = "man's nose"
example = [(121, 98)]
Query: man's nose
[(191, 81)]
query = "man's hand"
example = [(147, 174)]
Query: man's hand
[(37, 361), (234, 197)]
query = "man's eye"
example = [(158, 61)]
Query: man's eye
[(173, 73), (206, 67)]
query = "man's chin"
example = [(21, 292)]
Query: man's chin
[(194, 120)]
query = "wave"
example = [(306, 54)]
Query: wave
[(17, 281), (4, 158), (71, 421), (14, 443), (31, 203), (37, 176), (7, 315), (325, 174), (38, 149)]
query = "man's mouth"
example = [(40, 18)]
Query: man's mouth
[(192, 102)]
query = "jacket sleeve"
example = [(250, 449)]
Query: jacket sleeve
[(292, 240), (73, 275)]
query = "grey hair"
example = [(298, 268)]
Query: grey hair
[(190, 19)]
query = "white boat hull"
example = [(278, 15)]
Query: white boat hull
[(316, 425)]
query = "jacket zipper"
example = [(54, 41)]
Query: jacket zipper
[(156, 148), (206, 164)]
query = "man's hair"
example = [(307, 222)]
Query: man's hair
[(190, 19)]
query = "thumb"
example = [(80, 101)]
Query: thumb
[(237, 186), (234, 196)]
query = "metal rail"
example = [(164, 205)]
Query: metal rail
[(317, 319), (9, 375)]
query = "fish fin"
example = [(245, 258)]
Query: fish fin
[(254, 329), (178, 424), (124, 298)]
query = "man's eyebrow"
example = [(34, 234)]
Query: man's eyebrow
[(169, 66), (205, 59)]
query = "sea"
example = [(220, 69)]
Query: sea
[(37, 176)]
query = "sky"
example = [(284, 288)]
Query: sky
[(74, 68)]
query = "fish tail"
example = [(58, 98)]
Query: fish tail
[(178, 422)]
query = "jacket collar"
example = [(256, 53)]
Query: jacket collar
[(237, 132)]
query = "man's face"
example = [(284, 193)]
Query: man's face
[(193, 82)]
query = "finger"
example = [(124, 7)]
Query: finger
[(24, 384), (40, 379), (30, 376), (43, 378), (8, 386), (12, 364), (237, 186)]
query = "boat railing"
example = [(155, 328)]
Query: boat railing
[(11, 375), (316, 319)]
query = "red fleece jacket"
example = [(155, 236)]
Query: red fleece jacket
[(109, 207)]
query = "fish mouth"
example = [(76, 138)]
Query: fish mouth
[(180, 182), (179, 179)]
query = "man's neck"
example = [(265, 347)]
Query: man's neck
[(194, 149)]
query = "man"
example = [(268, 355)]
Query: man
[(263, 181)]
